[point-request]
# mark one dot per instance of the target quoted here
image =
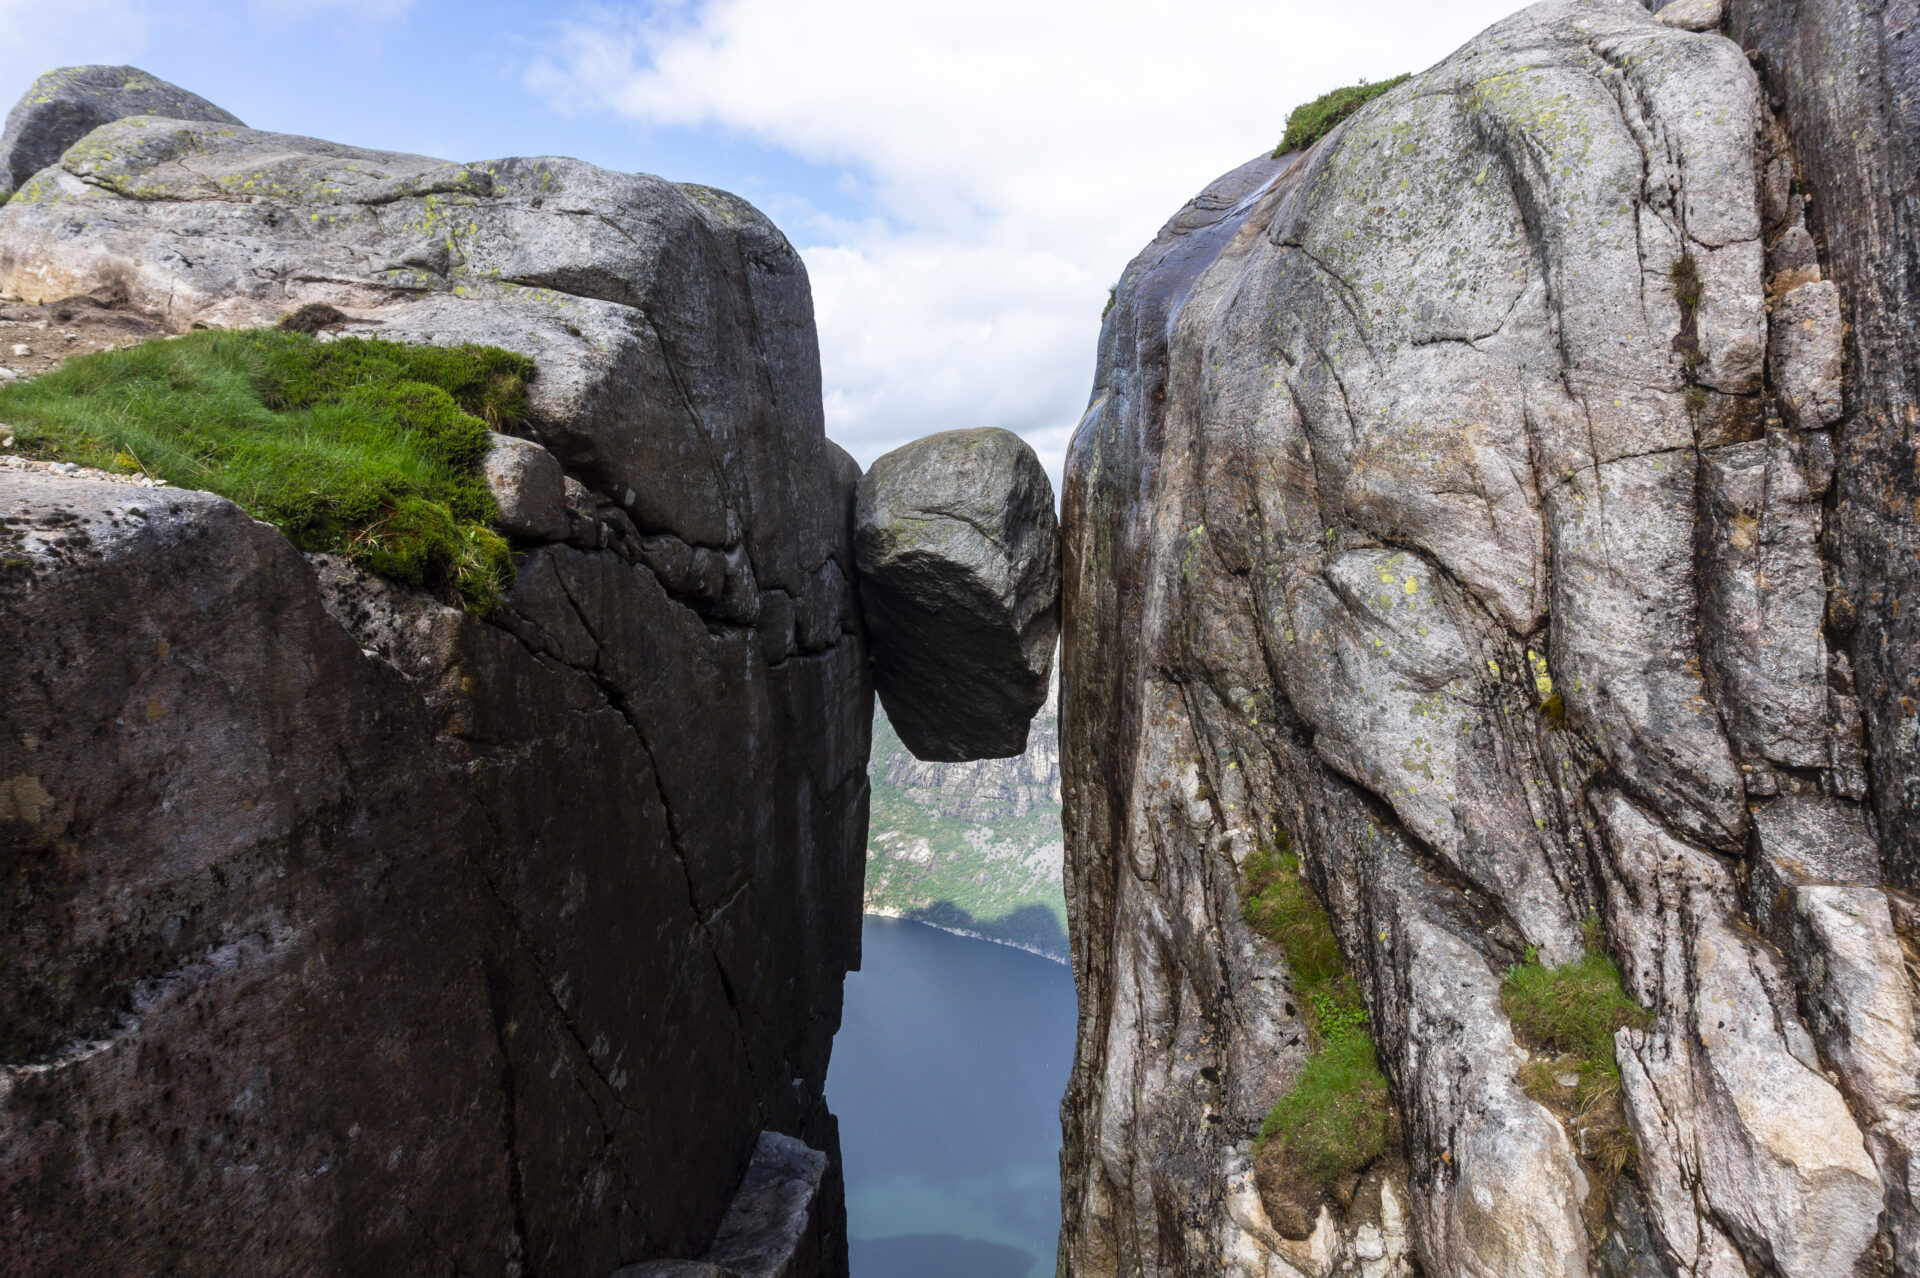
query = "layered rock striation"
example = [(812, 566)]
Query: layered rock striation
[(1457, 507), (346, 931)]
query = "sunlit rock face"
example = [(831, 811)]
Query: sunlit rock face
[(65, 105), (1447, 504), (342, 931)]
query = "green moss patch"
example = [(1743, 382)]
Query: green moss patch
[(1314, 120), (1335, 1120), (365, 448), (1567, 1017)]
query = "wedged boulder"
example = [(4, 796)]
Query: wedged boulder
[(958, 550), (65, 105)]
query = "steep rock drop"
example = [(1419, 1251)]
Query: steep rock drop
[(1455, 510), (345, 928), (342, 930)]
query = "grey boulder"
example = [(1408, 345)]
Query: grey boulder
[(957, 545), (529, 487), (66, 104)]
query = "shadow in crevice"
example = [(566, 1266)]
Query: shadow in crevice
[(1031, 927), (937, 1256)]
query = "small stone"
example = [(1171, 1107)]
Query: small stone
[(1694, 15), (1804, 349), (7, 442), (529, 487), (64, 468), (8, 375), (1567, 1080), (22, 349)]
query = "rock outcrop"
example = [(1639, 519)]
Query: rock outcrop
[(1450, 509), (64, 106), (958, 550), (419, 942)]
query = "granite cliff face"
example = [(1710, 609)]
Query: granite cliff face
[(343, 931), (1496, 505)]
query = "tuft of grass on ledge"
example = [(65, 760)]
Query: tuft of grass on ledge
[(1313, 120), (1570, 1014), (1334, 1122), (366, 448)]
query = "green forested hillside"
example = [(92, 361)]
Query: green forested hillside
[(970, 847)]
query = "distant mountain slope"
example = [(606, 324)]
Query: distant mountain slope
[(973, 848)]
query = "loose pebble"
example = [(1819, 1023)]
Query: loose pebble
[(22, 349), (74, 471)]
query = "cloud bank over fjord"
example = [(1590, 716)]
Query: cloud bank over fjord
[(1010, 157)]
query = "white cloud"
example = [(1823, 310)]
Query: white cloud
[(1014, 155)]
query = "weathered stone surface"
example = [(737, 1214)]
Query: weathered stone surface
[(959, 560), (530, 488), (1693, 15), (434, 942), (1806, 354), (64, 106), (1422, 516), (1764, 600), (1845, 81), (672, 323), (1738, 1130), (217, 1002)]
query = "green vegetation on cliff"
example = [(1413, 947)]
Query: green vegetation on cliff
[(366, 448), (1568, 1015), (1313, 120), (1334, 1121), (970, 847)]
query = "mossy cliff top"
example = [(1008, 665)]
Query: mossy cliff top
[(1313, 120), (365, 448)]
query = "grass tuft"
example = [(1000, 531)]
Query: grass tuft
[(1686, 281), (1334, 1122), (366, 448), (1313, 120), (1572, 1012)]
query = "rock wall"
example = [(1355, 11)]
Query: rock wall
[(1456, 502), (342, 931)]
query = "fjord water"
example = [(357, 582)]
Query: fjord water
[(947, 1074)]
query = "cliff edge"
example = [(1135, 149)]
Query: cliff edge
[(345, 929)]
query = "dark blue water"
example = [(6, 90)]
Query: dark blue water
[(947, 1076)]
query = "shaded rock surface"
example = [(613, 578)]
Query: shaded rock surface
[(768, 1227), (958, 551), (1448, 507), (416, 941), (65, 105)]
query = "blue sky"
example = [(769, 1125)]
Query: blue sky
[(964, 180)]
